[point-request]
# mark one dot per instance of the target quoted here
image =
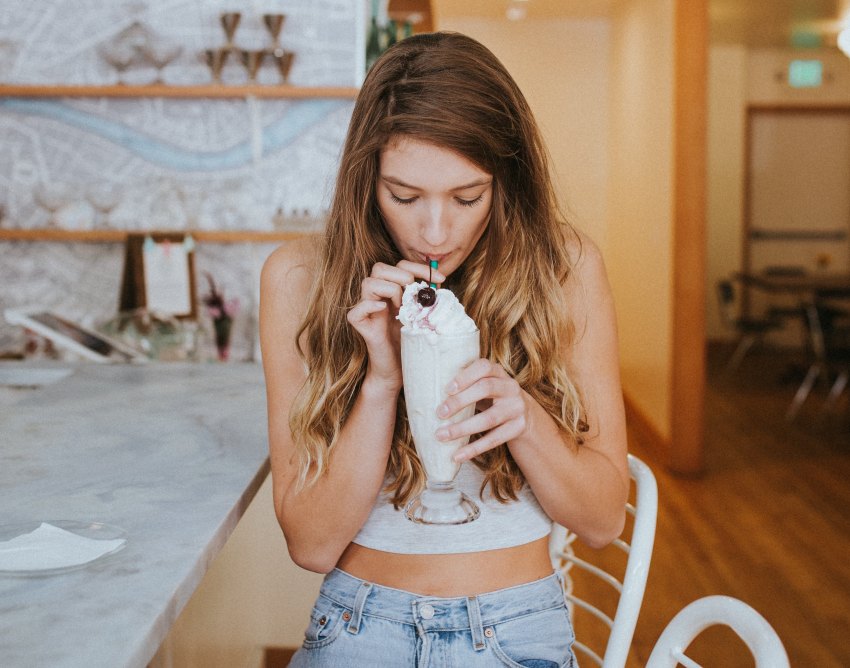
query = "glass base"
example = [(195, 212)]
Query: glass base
[(441, 503)]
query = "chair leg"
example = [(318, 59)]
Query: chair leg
[(746, 342), (803, 392), (836, 390)]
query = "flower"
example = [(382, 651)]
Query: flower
[(222, 312), (218, 307)]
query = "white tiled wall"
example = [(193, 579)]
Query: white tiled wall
[(177, 163)]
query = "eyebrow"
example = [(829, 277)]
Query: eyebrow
[(398, 182)]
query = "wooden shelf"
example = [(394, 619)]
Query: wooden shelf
[(165, 90), (119, 236)]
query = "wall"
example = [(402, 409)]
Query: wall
[(739, 77), (640, 201), (561, 65), (177, 164), (727, 86), (766, 83)]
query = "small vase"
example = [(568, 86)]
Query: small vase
[(222, 336)]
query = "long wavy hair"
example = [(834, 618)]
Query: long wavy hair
[(449, 90)]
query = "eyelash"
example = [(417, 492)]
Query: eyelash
[(411, 200), (470, 202), (399, 200)]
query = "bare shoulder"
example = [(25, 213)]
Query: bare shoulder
[(295, 261), (588, 274), (286, 283)]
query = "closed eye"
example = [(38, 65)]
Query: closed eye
[(402, 200), (469, 202)]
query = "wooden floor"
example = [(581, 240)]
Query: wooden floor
[(768, 522)]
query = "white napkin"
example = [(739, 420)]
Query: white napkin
[(50, 547)]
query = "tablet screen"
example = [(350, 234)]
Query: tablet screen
[(81, 336), (80, 340)]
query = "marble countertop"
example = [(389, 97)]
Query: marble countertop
[(172, 453)]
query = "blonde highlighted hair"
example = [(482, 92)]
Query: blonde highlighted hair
[(447, 89)]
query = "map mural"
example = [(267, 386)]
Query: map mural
[(162, 163)]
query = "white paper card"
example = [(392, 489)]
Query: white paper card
[(166, 268), (50, 547)]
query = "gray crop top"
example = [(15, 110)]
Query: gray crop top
[(499, 525)]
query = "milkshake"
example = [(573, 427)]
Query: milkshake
[(438, 339)]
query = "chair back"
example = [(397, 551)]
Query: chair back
[(726, 302), (626, 583), (759, 636)]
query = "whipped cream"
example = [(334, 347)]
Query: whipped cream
[(445, 317)]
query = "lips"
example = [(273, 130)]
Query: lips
[(432, 256)]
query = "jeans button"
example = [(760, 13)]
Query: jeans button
[(427, 611)]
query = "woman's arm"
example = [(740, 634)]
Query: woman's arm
[(583, 487), (320, 520)]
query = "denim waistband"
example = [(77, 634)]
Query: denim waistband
[(434, 613)]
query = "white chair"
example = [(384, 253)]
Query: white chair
[(627, 583), (751, 627)]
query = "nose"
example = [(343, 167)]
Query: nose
[(435, 224)]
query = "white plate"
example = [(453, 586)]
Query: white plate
[(89, 530)]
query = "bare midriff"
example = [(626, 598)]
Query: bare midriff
[(449, 575)]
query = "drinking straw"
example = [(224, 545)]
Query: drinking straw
[(433, 265)]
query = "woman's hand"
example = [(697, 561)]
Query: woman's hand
[(504, 404), (374, 316)]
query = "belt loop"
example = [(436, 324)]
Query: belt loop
[(359, 604), (560, 577), (564, 584), (475, 625)]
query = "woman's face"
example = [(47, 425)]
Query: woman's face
[(435, 202)]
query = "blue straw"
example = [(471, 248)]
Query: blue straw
[(433, 265)]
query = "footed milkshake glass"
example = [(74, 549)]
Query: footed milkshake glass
[(429, 363)]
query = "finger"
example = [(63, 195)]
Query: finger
[(399, 275), (378, 288), (481, 423), (488, 387), (492, 439), (473, 372), (363, 310), (422, 271)]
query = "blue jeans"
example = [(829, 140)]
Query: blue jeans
[(356, 623)]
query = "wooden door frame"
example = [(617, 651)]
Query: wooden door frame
[(685, 451)]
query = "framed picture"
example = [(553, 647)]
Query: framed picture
[(159, 274)]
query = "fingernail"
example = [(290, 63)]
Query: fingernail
[(459, 458), (442, 434), (452, 388), (443, 411)]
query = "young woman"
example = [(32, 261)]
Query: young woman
[(443, 161)]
